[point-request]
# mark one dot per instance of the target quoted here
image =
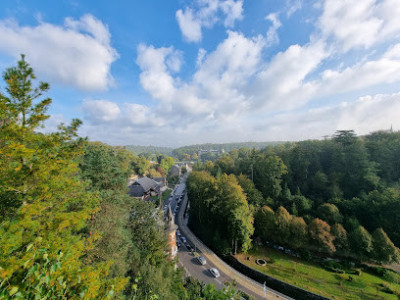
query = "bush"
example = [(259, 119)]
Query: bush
[(386, 288), (333, 266), (305, 254), (386, 274)]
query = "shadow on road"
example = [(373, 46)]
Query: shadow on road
[(207, 273)]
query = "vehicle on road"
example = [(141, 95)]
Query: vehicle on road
[(178, 233), (201, 260), (183, 239), (214, 272), (190, 248), (178, 244)]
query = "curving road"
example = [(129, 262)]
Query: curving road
[(193, 268)]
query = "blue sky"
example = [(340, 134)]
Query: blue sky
[(174, 73)]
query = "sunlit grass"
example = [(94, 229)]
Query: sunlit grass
[(314, 278)]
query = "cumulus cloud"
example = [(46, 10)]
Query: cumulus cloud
[(156, 65), (214, 93), (77, 53), (189, 25), (206, 13), (282, 83), (386, 69), (362, 23), (99, 111), (364, 115)]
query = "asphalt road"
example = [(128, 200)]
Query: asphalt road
[(201, 272)]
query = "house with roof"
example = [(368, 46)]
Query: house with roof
[(143, 188)]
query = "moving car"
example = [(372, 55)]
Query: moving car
[(214, 272), (201, 260)]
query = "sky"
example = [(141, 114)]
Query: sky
[(180, 72)]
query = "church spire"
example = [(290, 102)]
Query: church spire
[(169, 220)]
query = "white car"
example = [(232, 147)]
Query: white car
[(201, 260), (214, 272)]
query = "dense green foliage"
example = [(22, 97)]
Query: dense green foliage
[(191, 152), (219, 212), (326, 196)]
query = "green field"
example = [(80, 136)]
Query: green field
[(314, 278)]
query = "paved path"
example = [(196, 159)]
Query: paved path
[(228, 274)]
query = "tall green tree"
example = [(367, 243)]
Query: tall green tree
[(268, 172), (383, 248), (264, 223), (282, 225), (231, 203), (44, 242), (329, 213), (254, 196), (341, 240), (361, 241), (22, 105), (298, 233)]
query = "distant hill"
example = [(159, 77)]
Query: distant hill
[(226, 147), (150, 150), (181, 151)]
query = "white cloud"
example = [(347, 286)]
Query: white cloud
[(282, 83), (233, 11), (293, 6), (215, 91), (190, 27), (141, 115), (52, 123), (272, 35), (206, 13), (364, 115), (362, 75), (99, 111), (78, 53), (155, 76), (362, 23), (200, 56)]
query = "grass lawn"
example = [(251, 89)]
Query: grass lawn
[(314, 278)]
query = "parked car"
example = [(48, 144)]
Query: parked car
[(178, 233), (178, 244), (201, 260), (183, 239), (214, 272)]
